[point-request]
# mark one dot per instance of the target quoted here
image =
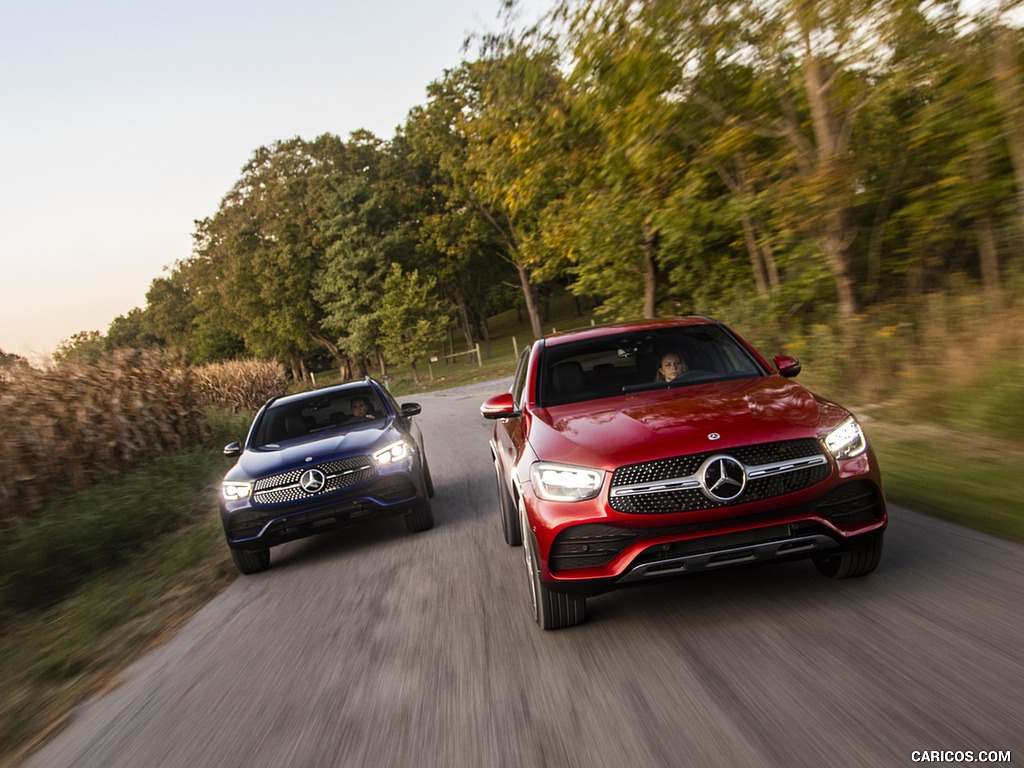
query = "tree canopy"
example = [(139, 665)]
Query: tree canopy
[(654, 156)]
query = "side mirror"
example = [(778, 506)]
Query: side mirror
[(233, 449), (410, 409), (499, 407), (788, 366)]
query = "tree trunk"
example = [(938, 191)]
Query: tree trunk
[(828, 161), (756, 262), (650, 248), (485, 334), (1010, 103), (464, 320), (836, 244), (529, 298), (984, 229)]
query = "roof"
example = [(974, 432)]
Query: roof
[(632, 326)]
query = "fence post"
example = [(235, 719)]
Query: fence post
[(479, 360), (515, 348)]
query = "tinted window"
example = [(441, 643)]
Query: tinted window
[(294, 419), (630, 362)]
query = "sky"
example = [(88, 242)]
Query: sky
[(123, 122)]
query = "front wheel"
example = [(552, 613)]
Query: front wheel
[(249, 562), (507, 511), (421, 518), (852, 564), (428, 481), (551, 610)]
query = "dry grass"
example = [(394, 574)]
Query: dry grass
[(240, 385), (70, 426)]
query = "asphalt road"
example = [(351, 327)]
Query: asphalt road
[(377, 647)]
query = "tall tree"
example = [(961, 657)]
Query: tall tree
[(413, 321), (266, 250)]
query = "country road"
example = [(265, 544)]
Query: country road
[(377, 647)]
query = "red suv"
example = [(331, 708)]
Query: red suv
[(645, 450)]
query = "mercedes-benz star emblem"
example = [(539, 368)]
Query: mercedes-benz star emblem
[(723, 478), (312, 480)]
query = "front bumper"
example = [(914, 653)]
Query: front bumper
[(252, 526), (588, 547)]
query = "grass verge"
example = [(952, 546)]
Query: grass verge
[(961, 477)]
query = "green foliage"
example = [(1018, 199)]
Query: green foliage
[(99, 528), (83, 347), (819, 159), (412, 322)]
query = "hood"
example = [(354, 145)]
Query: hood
[(308, 451), (642, 426)]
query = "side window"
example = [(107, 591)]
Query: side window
[(519, 382)]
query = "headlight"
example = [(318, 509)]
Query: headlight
[(233, 491), (559, 482), (393, 453), (846, 440)]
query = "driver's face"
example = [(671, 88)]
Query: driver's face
[(359, 407), (671, 366)]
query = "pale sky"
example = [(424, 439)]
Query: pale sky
[(122, 122)]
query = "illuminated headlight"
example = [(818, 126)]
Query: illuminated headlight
[(234, 491), (558, 482), (391, 454), (846, 440)]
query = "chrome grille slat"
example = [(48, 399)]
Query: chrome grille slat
[(772, 469), (339, 474)]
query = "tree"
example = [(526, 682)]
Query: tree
[(264, 249), (455, 241), (364, 232), (412, 321), (81, 347)]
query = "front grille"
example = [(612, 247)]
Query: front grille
[(382, 494), (690, 499), (343, 473)]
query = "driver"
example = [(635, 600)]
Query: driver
[(670, 367), (361, 408)]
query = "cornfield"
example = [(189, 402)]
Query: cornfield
[(240, 385), (65, 428)]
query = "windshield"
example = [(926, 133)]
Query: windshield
[(632, 362), (316, 414)]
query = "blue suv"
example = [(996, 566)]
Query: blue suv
[(321, 460)]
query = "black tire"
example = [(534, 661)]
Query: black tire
[(428, 481), (249, 562), (853, 563), (421, 518), (507, 510), (551, 610)]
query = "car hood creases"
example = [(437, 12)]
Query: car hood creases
[(291, 454), (631, 428)]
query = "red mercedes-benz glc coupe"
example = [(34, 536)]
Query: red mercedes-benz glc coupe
[(639, 451)]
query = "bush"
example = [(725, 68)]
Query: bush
[(99, 528)]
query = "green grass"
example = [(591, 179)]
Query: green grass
[(115, 600), (966, 479)]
